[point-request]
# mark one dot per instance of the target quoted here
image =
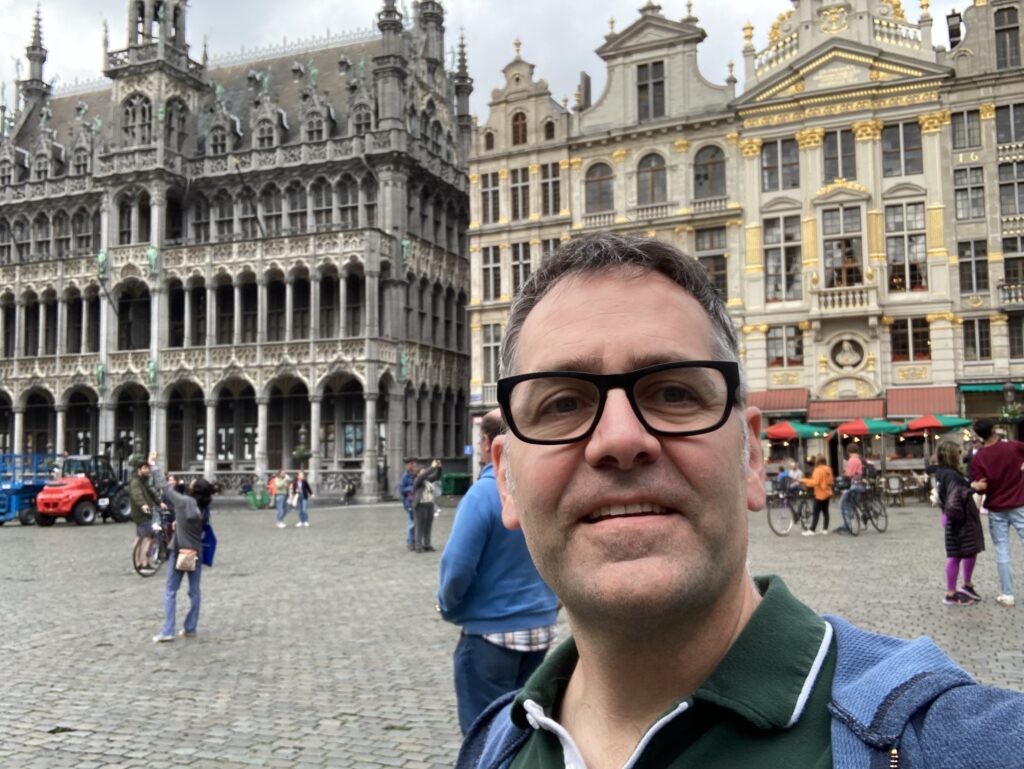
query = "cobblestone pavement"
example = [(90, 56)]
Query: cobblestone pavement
[(320, 647)]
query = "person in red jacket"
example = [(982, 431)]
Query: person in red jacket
[(996, 471)]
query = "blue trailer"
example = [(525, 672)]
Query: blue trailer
[(22, 476)]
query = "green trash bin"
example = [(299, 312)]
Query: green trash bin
[(455, 484)]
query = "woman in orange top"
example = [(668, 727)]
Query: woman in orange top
[(821, 481)]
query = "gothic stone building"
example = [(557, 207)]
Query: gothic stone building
[(237, 264), (860, 203)]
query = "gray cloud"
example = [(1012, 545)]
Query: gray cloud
[(558, 37)]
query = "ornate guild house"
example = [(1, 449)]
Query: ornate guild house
[(245, 264), (859, 203)]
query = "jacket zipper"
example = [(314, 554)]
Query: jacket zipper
[(894, 759)]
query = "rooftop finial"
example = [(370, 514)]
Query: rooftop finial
[(611, 26), (518, 44), (463, 68), (926, 9), (37, 28), (689, 11), (748, 34)]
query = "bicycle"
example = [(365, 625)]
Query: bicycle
[(158, 544), (868, 507), (791, 506)]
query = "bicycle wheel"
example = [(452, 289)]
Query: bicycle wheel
[(856, 519), (802, 513), (879, 516), (155, 559), (780, 518)]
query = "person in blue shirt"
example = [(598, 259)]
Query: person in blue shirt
[(405, 485), (489, 585)]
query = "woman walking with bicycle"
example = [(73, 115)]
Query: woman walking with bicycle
[(962, 522), (821, 481), (183, 554)]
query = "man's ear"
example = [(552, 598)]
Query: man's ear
[(754, 459), (499, 458)]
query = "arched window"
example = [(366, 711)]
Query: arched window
[(320, 191), (370, 200), (41, 168), (6, 173), (297, 206), (600, 187), (314, 127), (41, 234), (176, 125), (348, 202), (137, 121), (224, 206), (218, 141), (362, 120), (549, 130), (519, 128), (82, 231), (270, 202), (651, 185), (709, 173), (21, 232), (265, 138), (5, 242), (489, 140), (201, 219), (62, 234), (124, 221), (247, 220), (80, 162)]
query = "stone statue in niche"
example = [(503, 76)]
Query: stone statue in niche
[(847, 354)]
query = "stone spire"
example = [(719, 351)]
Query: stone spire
[(34, 85), (389, 19)]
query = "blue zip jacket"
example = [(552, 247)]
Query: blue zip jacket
[(488, 583), (895, 704)]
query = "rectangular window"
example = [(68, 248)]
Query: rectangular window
[(520, 266), (780, 165), (1011, 188), (843, 246), (973, 256), (650, 90), (491, 261), (520, 189), (901, 150), (785, 346), (1013, 260), (1010, 124), (910, 339), (905, 247), (966, 130), (977, 339), (711, 254), (1007, 38), (840, 156), (1016, 329), (550, 190), (782, 259), (969, 193), (489, 201), (549, 246), (492, 343)]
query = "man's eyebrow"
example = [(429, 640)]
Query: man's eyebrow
[(594, 363)]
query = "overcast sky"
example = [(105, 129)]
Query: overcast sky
[(559, 37)]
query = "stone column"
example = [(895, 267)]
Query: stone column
[(62, 319), (20, 321), (868, 134), (289, 306), (211, 315), (61, 442), (933, 141), (261, 309), (210, 460), (3, 330), (158, 427), (370, 304), (41, 314), (83, 345), (188, 317), (811, 166), (262, 401), (19, 429), (236, 331), (753, 269), (370, 491), (135, 222), (314, 437), (342, 299), (396, 438), (315, 279), (106, 424)]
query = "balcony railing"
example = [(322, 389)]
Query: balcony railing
[(490, 394), (1011, 294), (845, 299), (599, 220), (647, 213), (776, 54), (710, 205), (897, 33)]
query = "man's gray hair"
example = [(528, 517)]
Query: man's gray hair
[(604, 252)]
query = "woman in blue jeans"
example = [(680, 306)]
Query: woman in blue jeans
[(301, 489)]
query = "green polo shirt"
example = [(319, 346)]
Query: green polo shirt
[(765, 705)]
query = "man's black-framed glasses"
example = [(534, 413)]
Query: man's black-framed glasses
[(669, 399)]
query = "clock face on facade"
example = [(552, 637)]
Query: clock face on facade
[(847, 354)]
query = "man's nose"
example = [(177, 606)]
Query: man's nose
[(620, 439)]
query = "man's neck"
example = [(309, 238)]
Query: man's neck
[(991, 441), (623, 684)]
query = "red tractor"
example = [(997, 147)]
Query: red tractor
[(82, 487)]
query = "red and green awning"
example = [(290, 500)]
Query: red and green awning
[(862, 427), (938, 423), (791, 431)]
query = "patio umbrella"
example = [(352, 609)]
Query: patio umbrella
[(788, 431), (862, 427), (938, 423)]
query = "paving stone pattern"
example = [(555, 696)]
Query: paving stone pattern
[(320, 647)]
